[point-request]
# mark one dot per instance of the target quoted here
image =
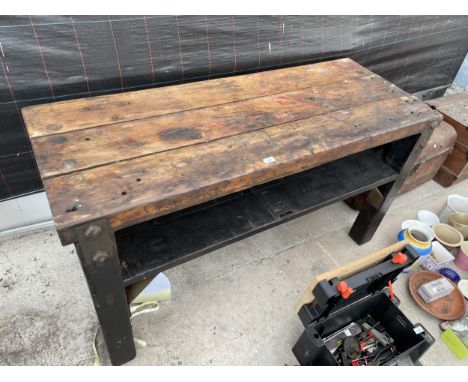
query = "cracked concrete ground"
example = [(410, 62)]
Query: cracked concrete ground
[(234, 306)]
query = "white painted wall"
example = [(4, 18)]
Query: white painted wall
[(25, 213)]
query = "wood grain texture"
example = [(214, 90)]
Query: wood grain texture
[(442, 139), (150, 186), (454, 108), (424, 172), (134, 156), (81, 149), (457, 161), (459, 124), (432, 156), (83, 113), (448, 100)]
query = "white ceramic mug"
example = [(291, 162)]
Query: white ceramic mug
[(428, 217)]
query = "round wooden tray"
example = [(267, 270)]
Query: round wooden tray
[(450, 307)]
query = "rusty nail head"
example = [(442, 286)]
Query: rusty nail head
[(100, 257), (93, 230)]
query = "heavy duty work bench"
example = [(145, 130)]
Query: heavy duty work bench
[(145, 180)]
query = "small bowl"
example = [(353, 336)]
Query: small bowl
[(428, 217), (463, 286), (447, 236), (459, 221), (420, 226), (417, 237), (421, 251)]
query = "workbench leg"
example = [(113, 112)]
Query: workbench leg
[(371, 215), (99, 258)]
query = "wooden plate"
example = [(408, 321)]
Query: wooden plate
[(447, 308)]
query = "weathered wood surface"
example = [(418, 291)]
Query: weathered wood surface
[(454, 108), (440, 145), (78, 114), (448, 100), (174, 147), (165, 182), (446, 178), (81, 149), (442, 140), (457, 162)]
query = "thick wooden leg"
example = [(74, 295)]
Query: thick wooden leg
[(98, 254), (371, 215)]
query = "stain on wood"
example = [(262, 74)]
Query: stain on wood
[(58, 139), (95, 111), (106, 144), (191, 175), (175, 147), (180, 134)]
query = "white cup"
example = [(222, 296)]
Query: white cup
[(428, 217)]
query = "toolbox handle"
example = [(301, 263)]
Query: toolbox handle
[(347, 270)]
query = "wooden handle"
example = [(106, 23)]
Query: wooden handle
[(349, 269)]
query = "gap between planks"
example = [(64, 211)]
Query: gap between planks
[(50, 165)]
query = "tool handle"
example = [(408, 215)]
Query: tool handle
[(347, 270)]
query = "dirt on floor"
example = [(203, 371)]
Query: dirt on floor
[(234, 306)]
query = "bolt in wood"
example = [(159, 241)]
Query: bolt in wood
[(93, 230)]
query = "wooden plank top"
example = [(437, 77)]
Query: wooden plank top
[(454, 108), (134, 156)]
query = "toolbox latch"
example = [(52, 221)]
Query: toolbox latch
[(399, 258), (344, 289)]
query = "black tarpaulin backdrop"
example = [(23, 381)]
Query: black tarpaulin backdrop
[(52, 58)]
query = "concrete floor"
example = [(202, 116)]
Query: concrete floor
[(234, 306)]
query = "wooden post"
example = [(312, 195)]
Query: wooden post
[(97, 250), (370, 216)]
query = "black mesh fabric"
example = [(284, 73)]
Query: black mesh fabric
[(52, 58)]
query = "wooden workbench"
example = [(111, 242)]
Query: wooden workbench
[(144, 180)]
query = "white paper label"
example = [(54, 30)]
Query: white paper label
[(269, 160)]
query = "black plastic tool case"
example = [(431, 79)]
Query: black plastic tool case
[(330, 312)]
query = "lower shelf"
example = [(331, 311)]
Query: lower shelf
[(156, 245)]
